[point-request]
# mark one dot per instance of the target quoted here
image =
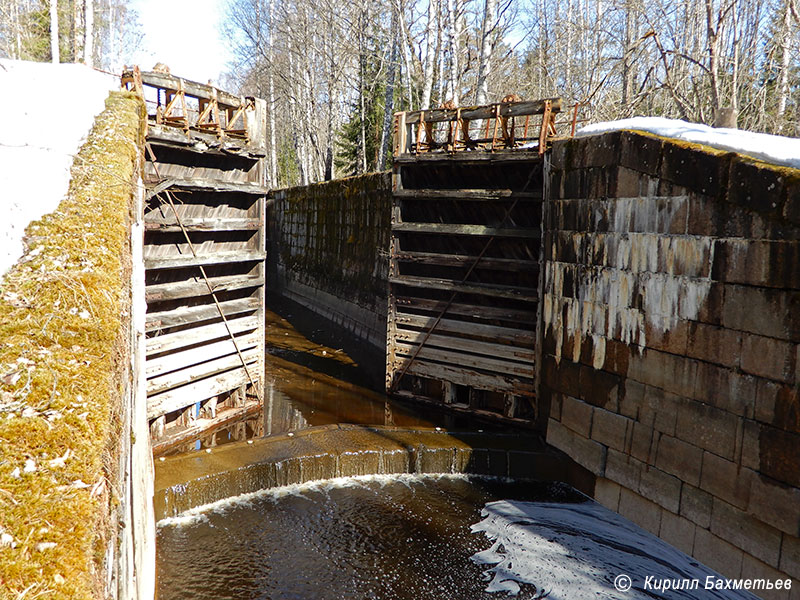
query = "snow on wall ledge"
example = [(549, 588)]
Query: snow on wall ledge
[(38, 142)]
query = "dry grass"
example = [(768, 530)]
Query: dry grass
[(62, 327)]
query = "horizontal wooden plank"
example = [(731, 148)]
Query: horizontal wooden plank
[(465, 410), (208, 185), (192, 314), (453, 358), (192, 88), (175, 361), (462, 260), (519, 155), (170, 224), (483, 289), (469, 310), (187, 395), (192, 289), (519, 337), (519, 354), (187, 260), (200, 142), (200, 371), (470, 194), (198, 335), (467, 229), (466, 376), (512, 109)]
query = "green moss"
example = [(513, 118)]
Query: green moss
[(62, 324)]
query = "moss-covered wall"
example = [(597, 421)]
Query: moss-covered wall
[(65, 370), (328, 250)]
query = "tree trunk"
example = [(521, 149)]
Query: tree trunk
[(427, 90), (453, 31), (88, 43), (388, 104), (54, 51), (487, 45), (783, 80), (273, 152)]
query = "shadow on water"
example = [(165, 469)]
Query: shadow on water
[(317, 374)]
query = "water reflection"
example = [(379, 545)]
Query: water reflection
[(312, 379)]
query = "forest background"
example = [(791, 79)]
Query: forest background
[(334, 72)]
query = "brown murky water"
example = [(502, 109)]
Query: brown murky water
[(312, 379)]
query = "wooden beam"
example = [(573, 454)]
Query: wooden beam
[(182, 359), (170, 224), (191, 289), (198, 335), (497, 156), (514, 109), (187, 260), (208, 185), (177, 398), (486, 415), (519, 337), (470, 194), (454, 357), (200, 371), (466, 229), (483, 289), (468, 310), (184, 315), (520, 354), (461, 260), (192, 88), (466, 376)]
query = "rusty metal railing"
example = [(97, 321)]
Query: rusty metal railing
[(501, 126)]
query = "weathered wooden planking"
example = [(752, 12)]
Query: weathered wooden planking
[(207, 185), (462, 260), (184, 315), (178, 262), (187, 358), (198, 335), (191, 289), (496, 157), (456, 357), (464, 410), (178, 398), (197, 372), (170, 224), (466, 376), (192, 88), (467, 229), (481, 289), (489, 349), (469, 194), (513, 109), (469, 310), (519, 337)]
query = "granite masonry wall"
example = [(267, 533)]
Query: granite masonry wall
[(328, 245), (670, 356)]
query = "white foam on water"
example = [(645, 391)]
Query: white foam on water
[(576, 551), (200, 513)]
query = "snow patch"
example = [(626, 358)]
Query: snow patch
[(775, 149), (48, 111), (576, 551)]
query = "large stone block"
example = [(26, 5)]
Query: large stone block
[(606, 492), (700, 169), (762, 311), (623, 469), (790, 556), (779, 453), (640, 152), (642, 445), (718, 554), (696, 505), (643, 512), (726, 480), (678, 531), (707, 427), (611, 429), (746, 532), (714, 344), (752, 568), (679, 458), (663, 489), (770, 358), (775, 504), (768, 263), (586, 453), (756, 185), (577, 415)]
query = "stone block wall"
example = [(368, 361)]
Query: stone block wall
[(670, 355), (328, 245)]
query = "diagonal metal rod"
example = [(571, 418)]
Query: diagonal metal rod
[(406, 365), (168, 195)]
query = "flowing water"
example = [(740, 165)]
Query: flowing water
[(387, 537)]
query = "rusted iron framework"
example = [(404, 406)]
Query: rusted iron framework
[(465, 256), (500, 126), (204, 253)]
